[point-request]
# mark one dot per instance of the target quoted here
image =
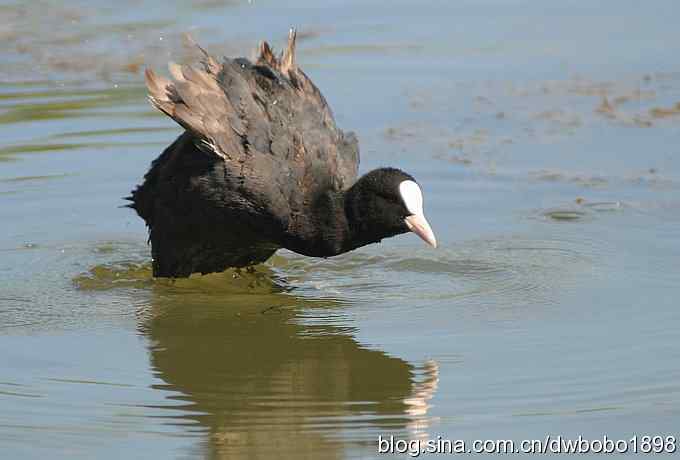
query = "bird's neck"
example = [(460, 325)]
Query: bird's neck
[(333, 230), (334, 227), (360, 220), (338, 222)]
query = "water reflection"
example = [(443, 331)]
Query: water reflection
[(263, 384)]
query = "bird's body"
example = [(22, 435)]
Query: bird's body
[(261, 166)]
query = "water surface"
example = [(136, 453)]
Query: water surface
[(545, 138)]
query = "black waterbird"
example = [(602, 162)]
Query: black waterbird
[(261, 166)]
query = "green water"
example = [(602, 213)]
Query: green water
[(546, 141)]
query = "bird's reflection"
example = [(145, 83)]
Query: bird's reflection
[(264, 383)]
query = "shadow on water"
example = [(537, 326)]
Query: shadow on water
[(257, 382)]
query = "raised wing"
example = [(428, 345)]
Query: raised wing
[(261, 115)]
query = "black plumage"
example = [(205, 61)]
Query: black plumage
[(261, 166)]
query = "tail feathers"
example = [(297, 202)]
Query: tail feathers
[(285, 63)]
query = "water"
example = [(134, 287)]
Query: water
[(545, 138)]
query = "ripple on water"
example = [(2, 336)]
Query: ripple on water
[(502, 273), (580, 210)]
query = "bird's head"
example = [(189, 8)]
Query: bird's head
[(387, 202)]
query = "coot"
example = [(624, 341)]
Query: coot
[(260, 166)]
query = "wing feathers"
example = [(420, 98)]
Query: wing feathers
[(238, 109)]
